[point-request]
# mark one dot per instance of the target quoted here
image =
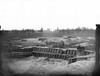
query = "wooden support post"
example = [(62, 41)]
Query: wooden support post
[(35, 54), (67, 52), (61, 56), (68, 57), (38, 54), (39, 49), (57, 51), (58, 56), (46, 54), (53, 50), (72, 53), (44, 49), (53, 56), (42, 54), (97, 48), (32, 53), (50, 50), (64, 57), (47, 50), (50, 56), (33, 48)]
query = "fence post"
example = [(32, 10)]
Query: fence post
[(97, 47)]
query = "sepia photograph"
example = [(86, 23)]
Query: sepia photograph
[(49, 37)]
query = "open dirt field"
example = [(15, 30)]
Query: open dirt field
[(40, 66)]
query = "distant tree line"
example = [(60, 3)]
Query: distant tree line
[(81, 32), (25, 33), (29, 33)]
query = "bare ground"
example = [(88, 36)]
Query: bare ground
[(33, 65)]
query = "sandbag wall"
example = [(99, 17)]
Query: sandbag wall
[(56, 53)]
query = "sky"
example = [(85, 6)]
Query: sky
[(53, 14)]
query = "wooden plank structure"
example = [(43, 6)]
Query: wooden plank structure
[(38, 51), (69, 54), (56, 53), (20, 53), (79, 58)]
